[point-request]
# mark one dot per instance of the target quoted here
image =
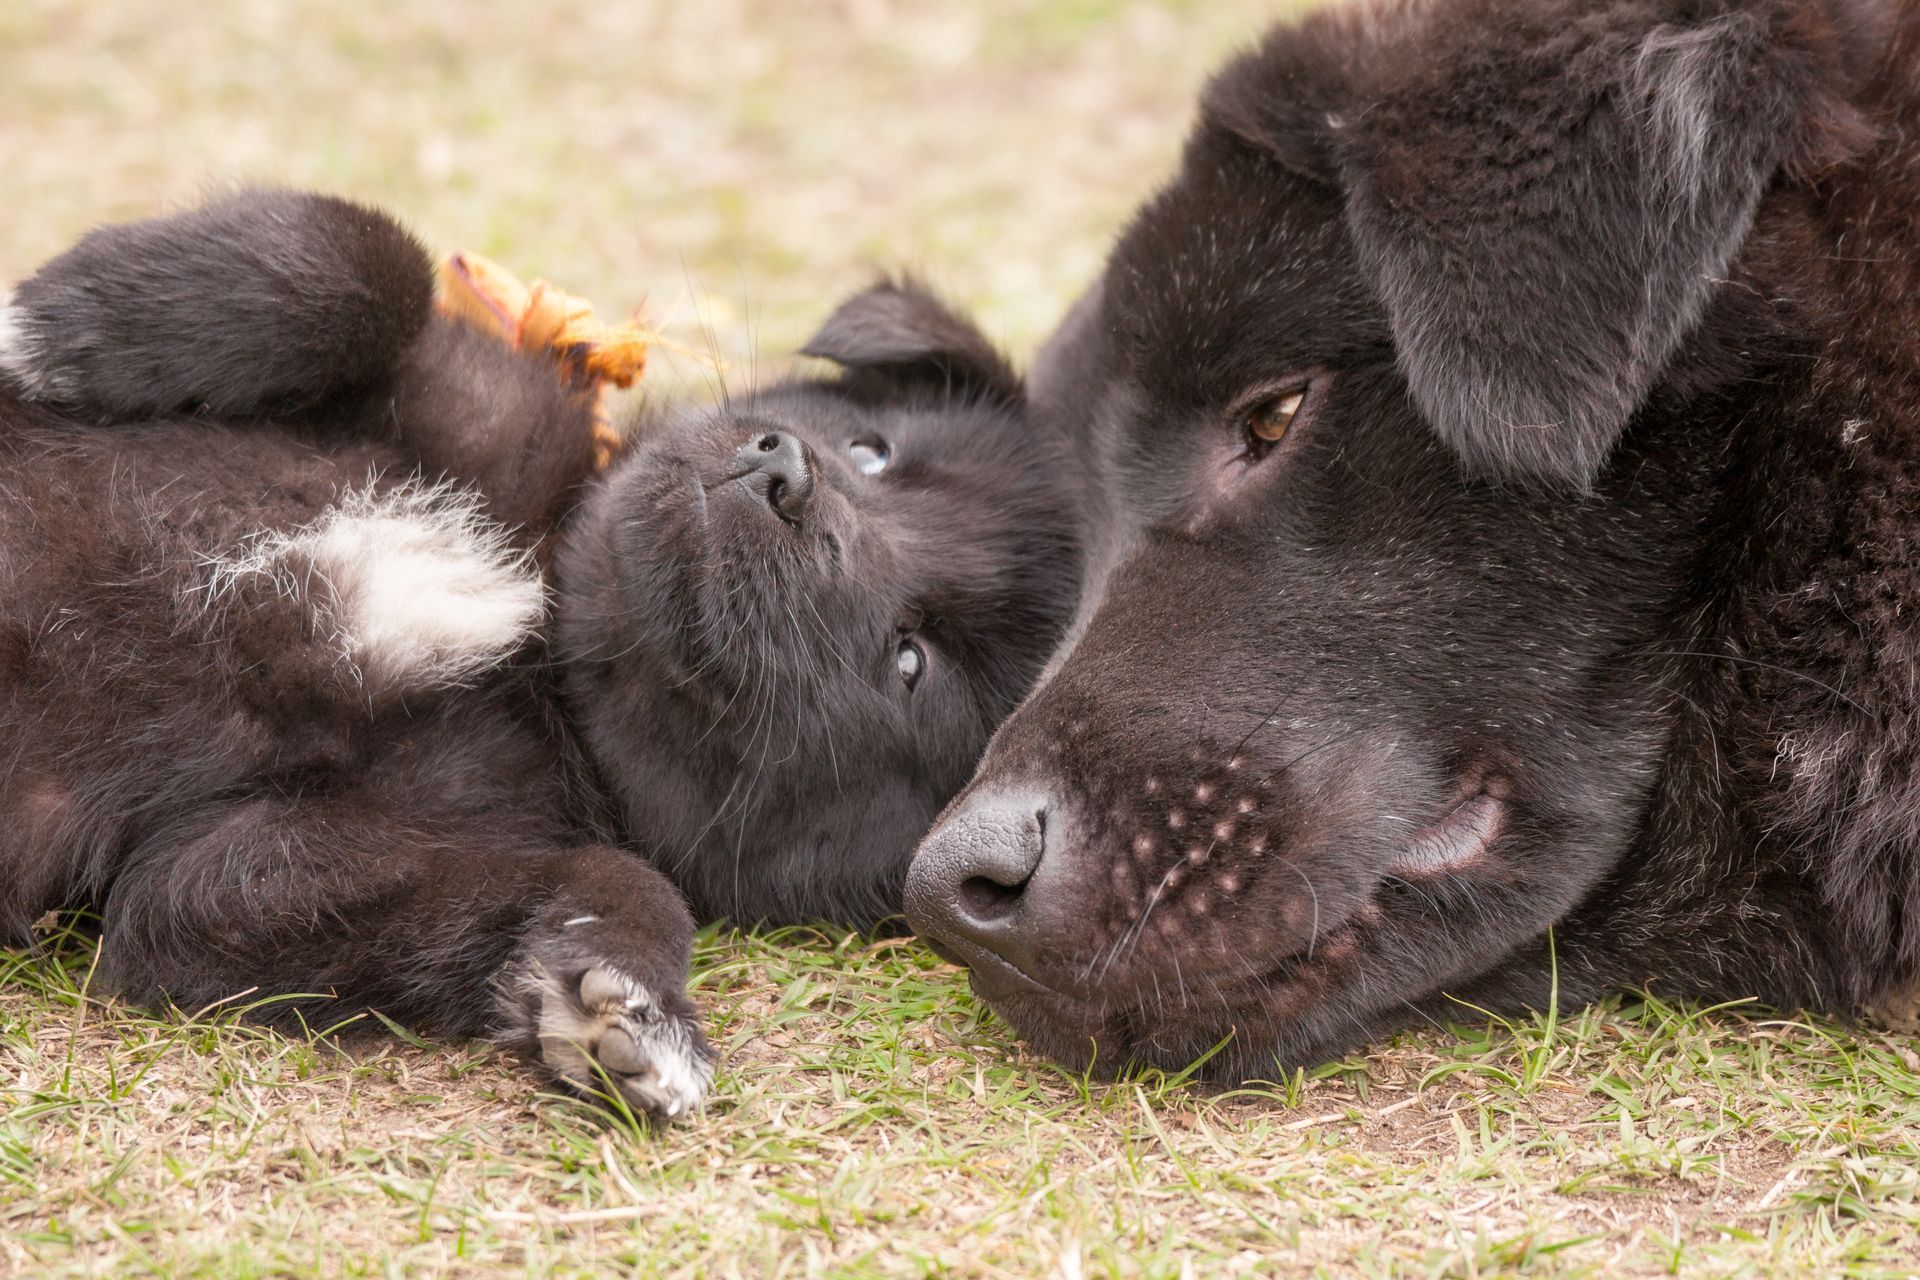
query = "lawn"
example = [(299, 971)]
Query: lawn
[(736, 164), (871, 1119)]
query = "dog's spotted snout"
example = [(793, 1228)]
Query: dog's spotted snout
[(780, 469)]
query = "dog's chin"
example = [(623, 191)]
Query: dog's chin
[(1059, 1027), (1218, 1042), (683, 535), (1108, 1042), (1102, 1032)]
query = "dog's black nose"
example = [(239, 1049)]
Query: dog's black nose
[(967, 888), (780, 468)]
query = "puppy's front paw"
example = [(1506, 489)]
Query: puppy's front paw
[(603, 1028)]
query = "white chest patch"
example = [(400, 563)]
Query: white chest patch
[(415, 585)]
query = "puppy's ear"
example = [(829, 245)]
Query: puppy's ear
[(899, 337), (1546, 215)]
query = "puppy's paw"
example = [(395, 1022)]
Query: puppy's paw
[(602, 1029)]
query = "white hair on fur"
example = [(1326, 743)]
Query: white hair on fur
[(657, 1063), (18, 350), (1678, 73), (418, 588)]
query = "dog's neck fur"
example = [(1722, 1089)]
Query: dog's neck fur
[(1807, 863)]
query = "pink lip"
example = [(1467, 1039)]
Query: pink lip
[(1456, 841)]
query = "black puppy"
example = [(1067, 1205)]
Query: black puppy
[(1514, 407), (275, 687)]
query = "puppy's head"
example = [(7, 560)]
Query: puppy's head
[(790, 623), (1415, 387)]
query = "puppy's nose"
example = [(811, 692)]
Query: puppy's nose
[(967, 888), (780, 468)]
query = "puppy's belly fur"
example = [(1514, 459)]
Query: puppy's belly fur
[(414, 586), (188, 613)]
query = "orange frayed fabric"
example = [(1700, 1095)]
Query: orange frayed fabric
[(543, 317)]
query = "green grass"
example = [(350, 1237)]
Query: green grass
[(740, 164), (871, 1120)]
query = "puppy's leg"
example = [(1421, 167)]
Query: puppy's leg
[(262, 304), (302, 309), (513, 425), (596, 1021), (577, 956)]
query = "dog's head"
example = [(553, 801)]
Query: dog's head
[(789, 624), (1413, 390)]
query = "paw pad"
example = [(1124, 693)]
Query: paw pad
[(609, 1030)]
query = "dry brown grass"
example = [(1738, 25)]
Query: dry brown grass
[(740, 163)]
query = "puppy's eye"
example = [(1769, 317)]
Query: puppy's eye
[(910, 661), (1266, 422), (869, 457)]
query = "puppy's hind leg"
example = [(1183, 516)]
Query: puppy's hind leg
[(265, 303), (576, 957)]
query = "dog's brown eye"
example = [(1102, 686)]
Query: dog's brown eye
[(1267, 421)]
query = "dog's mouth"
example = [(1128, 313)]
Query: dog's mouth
[(1458, 839), (664, 542), (1139, 1020)]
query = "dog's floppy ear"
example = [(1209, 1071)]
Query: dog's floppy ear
[(898, 335), (1546, 216)]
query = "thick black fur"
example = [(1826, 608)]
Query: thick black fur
[(274, 770), (340, 293), (1578, 611)]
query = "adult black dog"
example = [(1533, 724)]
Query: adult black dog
[(1513, 409), (276, 688)]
